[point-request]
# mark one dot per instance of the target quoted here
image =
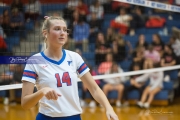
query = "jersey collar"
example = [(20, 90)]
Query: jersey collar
[(53, 61)]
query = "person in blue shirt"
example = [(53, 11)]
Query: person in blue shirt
[(81, 34)]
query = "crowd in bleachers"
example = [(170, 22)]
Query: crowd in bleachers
[(112, 37), (16, 19), (127, 36)]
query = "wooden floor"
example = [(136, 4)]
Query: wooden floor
[(171, 112)]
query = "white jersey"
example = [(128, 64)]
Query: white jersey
[(60, 75)]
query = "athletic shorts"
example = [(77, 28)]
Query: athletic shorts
[(41, 116)]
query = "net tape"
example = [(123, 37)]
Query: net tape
[(17, 86)]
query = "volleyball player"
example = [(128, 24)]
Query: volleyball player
[(56, 78)]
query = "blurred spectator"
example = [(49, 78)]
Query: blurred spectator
[(95, 27), (175, 45), (110, 35), (81, 34), (18, 72), (142, 42), (33, 10), (98, 9), (106, 65), (102, 48), (151, 57), (6, 78), (138, 56), (138, 20), (17, 76), (17, 4), (134, 84), (155, 86), (121, 22), (82, 8), (158, 44), (71, 6), (3, 47), (106, 5), (73, 21), (6, 23), (135, 67), (114, 83), (119, 49), (169, 58), (16, 20)]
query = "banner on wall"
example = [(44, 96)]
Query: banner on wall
[(152, 4)]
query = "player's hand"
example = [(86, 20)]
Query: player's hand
[(111, 115), (50, 94)]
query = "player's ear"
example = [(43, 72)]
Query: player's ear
[(44, 34)]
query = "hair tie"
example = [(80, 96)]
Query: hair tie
[(46, 17)]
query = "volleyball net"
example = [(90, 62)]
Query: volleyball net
[(161, 29)]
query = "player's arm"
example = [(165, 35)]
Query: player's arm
[(98, 95), (30, 99)]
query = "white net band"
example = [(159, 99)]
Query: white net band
[(17, 86)]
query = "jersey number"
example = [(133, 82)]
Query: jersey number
[(65, 79)]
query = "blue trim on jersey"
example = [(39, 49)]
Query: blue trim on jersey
[(29, 71), (29, 76), (41, 116), (83, 69), (53, 61), (80, 70)]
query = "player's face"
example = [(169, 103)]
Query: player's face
[(58, 32)]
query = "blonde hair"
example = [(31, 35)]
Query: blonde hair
[(46, 25)]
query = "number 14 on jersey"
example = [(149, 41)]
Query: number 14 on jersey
[(65, 79)]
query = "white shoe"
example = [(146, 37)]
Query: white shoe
[(6, 101), (92, 104), (140, 104), (118, 103), (82, 103), (146, 105)]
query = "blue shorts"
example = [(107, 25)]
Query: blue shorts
[(40, 116)]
